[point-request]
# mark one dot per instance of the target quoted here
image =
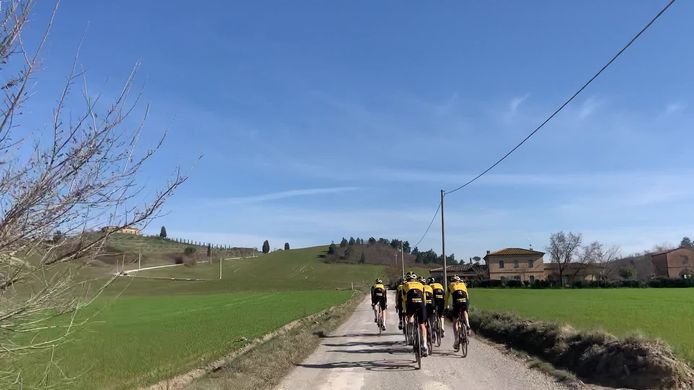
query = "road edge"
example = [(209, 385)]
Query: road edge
[(330, 318)]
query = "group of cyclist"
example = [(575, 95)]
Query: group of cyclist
[(418, 299)]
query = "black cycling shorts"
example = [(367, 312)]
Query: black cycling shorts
[(440, 304), (430, 309), (379, 301), (460, 302), (419, 310)]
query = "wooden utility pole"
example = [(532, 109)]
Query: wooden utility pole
[(220, 268), (139, 260), (402, 258), (443, 247)]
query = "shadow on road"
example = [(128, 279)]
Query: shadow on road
[(383, 365), (364, 343)]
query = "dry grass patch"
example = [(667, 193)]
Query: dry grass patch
[(595, 356)]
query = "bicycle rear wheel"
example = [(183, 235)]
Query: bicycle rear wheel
[(418, 348)]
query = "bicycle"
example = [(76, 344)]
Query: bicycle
[(463, 339), (379, 319), (435, 327), (415, 334)]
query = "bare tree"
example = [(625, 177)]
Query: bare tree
[(599, 257), (76, 175), (563, 250)]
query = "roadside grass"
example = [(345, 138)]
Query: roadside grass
[(145, 330), (264, 366), (664, 314), (136, 341)]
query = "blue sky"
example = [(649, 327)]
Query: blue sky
[(318, 120)]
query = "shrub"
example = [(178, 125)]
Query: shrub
[(189, 250), (514, 284), (632, 362)]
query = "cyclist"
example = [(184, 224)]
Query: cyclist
[(379, 297), (458, 297), (413, 292), (428, 296), (439, 301), (398, 303)]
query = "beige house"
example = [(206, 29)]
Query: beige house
[(126, 230), (515, 264), (675, 263)]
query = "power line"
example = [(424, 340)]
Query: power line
[(584, 86), (429, 227)]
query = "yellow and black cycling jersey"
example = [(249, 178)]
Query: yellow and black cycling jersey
[(398, 296), (378, 291), (412, 292), (452, 289), (438, 291), (428, 294)]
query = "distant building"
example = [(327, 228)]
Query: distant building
[(675, 263), (573, 272), (126, 230), (467, 272), (525, 265)]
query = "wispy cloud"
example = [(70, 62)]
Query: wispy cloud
[(281, 195), (588, 107), (516, 102), (673, 108)]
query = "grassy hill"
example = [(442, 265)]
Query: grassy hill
[(154, 251), (144, 330)]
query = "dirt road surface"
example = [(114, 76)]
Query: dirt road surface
[(356, 357)]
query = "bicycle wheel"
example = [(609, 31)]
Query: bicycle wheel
[(439, 332), (462, 332), (418, 348)]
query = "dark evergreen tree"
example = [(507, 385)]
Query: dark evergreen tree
[(343, 243), (162, 232), (332, 249), (286, 246), (266, 247), (209, 250), (686, 243), (352, 241)]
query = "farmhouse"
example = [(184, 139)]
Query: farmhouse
[(573, 272), (675, 263), (467, 272), (526, 265), (126, 230)]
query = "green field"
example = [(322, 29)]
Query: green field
[(146, 330), (666, 313)]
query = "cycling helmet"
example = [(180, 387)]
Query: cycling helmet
[(411, 276), (423, 280), (456, 278), (379, 281), (432, 280)]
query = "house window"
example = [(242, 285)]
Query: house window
[(501, 264), (503, 278), (685, 260), (516, 277), (531, 278), (531, 263), (515, 263)]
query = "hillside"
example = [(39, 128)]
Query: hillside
[(376, 253), (296, 269), (154, 251)]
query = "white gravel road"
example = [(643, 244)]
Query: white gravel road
[(356, 357)]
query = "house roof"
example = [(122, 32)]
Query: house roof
[(459, 268), (668, 251), (514, 252)]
